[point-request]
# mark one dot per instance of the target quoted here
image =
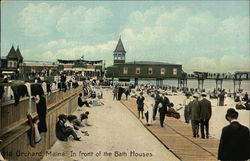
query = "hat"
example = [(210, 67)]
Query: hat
[(62, 117), (196, 95), (231, 113), (203, 94), (171, 105)]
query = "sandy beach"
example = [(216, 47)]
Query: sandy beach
[(116, 131)]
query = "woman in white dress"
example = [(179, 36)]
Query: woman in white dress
[(148, 110)]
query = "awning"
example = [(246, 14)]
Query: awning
[(8, 72)]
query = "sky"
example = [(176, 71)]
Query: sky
[(209, 36)]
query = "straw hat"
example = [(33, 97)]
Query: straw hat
[(196, 95), (203, 94)]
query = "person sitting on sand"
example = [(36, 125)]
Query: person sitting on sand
[(85, 116), (240, 105), (245, 98), (62, 131), (74, 122), (81, 102), (237, 98)]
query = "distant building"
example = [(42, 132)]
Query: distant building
[(31, 67), (88, 68), (125, 71), (12, 63)]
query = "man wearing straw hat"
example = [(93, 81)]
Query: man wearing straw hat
[(194, 111)]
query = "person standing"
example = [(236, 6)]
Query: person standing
[(127, 93), (222, 97), (194, 112), (115, 92), (149, 113), (140, 105), (186, 102), (120, 91), (162, 113), (205, 115), (157, 101), (235, 139), (163, 109)]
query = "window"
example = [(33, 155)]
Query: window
[(14, 64), (150, 70), (174, 71), (10, 64), (125, 70), (138, 70), (162, 71)]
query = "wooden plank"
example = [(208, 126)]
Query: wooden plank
[(177, 136)]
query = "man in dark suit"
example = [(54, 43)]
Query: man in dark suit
[(140, 105), (157, 98), (163, 108), (194, 112), (63, 132), (235, 139), (205, 115)]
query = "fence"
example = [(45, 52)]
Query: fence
[(14, 128)]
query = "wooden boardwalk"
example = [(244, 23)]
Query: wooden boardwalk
[(177, 137)]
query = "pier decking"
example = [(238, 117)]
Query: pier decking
[(177, 137)]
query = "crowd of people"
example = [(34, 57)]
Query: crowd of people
[(69, 125), (235, 138), (152, 100)]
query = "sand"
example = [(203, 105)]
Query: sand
[(114, 128)]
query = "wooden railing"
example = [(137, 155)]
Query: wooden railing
[(12, 116)]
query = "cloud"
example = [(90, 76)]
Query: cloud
[(43, 19), (229, 63), (199, 39), (61, 43), (39, 19), (81, 21), (180, 35), (102, 51)]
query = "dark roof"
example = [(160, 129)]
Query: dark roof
[(12, 53), (79, 61), (150, 63), (120, 47), (19, 53)]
